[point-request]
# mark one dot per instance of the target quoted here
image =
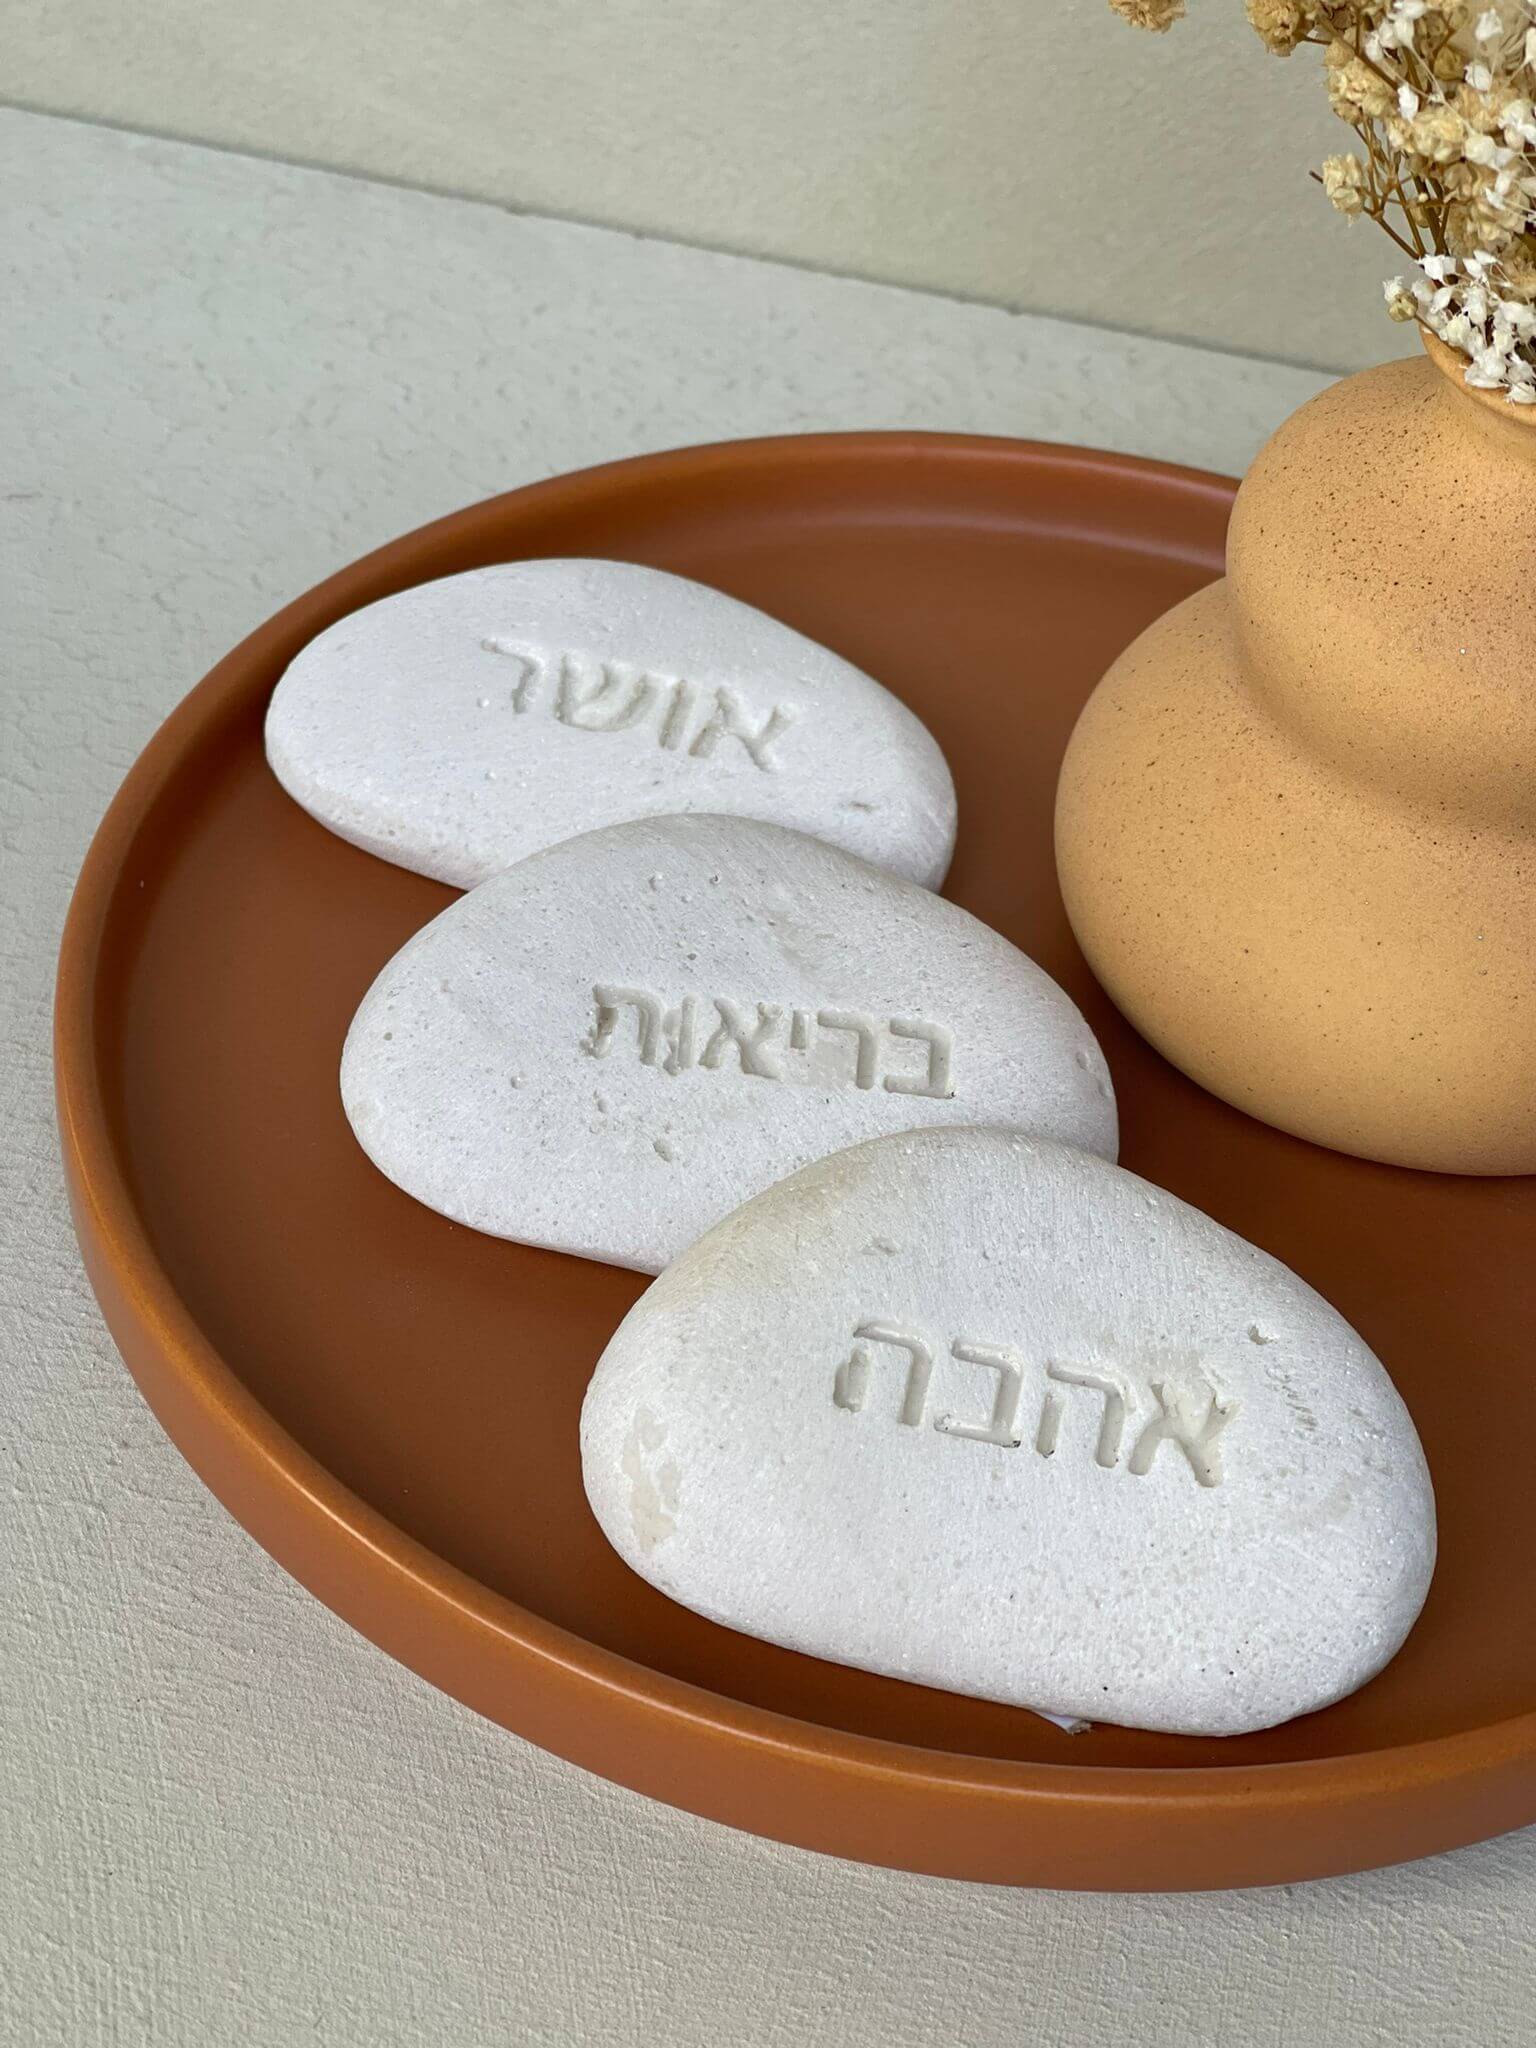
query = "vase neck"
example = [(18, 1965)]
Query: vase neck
[(1501, 425)]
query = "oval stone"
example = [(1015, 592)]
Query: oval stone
[(982, 1412), (460, 726), (612, 1044)]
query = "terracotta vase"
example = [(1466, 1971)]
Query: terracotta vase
[(1296, 823)]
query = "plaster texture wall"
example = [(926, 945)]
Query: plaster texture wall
[(1036, 156)]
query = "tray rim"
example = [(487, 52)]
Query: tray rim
[(250, 1462)]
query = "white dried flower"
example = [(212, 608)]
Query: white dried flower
[(1477, 224), (1401, 24), (1489, 27), (1157, 15), (1487, 372), (1437, 134), (1400, 302), (1281, 23), (1353, 85), (1344, 182)]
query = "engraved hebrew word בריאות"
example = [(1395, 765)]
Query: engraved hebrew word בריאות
[(776, 1041)]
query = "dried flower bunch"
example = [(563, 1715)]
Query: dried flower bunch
[(1441, 100)]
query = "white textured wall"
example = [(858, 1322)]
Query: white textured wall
[(1035, 153)]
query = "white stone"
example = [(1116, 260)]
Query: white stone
[(609, 1046), (989, 1414), (464, 724)]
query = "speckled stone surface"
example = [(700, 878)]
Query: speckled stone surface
[(229, 1822), (461, 725), (607, 1047), (985, 1413), (1296, 825)]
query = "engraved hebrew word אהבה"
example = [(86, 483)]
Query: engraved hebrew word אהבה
[(776, 1041), (591, 694), (1188, 1418)]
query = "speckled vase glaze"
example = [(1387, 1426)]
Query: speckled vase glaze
[(1296, 823)]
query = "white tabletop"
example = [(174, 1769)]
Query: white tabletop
[(224, 1818)]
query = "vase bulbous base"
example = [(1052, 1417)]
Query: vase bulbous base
[(1337, 959)]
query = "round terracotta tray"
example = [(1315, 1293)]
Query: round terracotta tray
[(389, 1402)]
